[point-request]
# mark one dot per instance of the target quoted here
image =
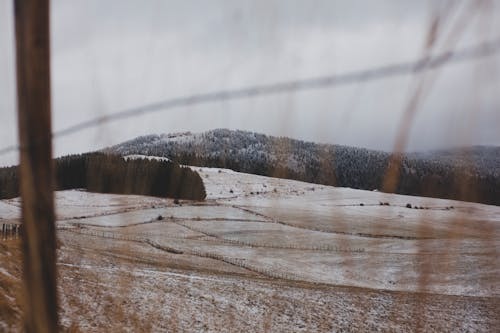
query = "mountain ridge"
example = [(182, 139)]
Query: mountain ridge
[(469, 174)]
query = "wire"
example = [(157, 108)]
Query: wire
[(399, 69)]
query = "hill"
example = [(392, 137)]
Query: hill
[(471, 174), (266, 254)]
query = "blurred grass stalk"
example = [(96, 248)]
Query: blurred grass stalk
[(36, 171)]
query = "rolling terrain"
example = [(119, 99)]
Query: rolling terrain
[(467, 174), (268, 254)]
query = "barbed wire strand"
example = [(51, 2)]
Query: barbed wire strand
[(425, 63)]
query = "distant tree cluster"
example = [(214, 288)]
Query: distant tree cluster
[(9, 182), (470, 176), (106, 173)]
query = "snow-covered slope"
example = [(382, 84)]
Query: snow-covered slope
[(432, 174), (308, 232), (262, 247)]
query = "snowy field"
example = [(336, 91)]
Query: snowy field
[(266, 254)]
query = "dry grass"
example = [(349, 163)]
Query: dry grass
[(115, 285), (10, 285)]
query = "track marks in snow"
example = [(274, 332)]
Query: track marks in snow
[(357, 234)]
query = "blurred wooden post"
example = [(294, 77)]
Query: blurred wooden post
[(36, 172)]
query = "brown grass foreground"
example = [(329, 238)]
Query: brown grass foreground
[(232, 265), (123, 299)]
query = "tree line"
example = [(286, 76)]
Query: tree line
[(108, 173), (432, 175)]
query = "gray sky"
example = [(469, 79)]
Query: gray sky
[(116, 54)]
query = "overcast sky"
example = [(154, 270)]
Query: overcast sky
[(115, 54)]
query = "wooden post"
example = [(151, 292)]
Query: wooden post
[(36, 171)]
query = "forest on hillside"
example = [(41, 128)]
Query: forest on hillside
[(470, 176), (107, 173)]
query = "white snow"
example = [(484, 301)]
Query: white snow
[(9, 210), (145, 157), (306, 232)]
